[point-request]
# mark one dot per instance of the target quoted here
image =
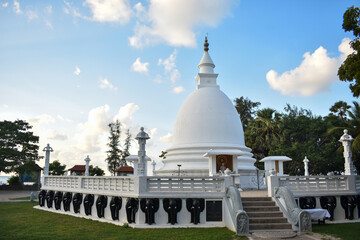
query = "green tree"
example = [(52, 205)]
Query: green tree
[(340, 108), (350, 70), (56, 168), (18, 146), (96, 171), (114, 153), (126, 149), (246, 109)]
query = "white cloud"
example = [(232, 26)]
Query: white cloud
[(49, 24), (140, 11), (77, 71), (92, 131), (54, 135), (166, 139), (110, 10), (31, 15), (126, 113), (43, 118), (178, 89), (169, 63), (171, 72), (64, 119), (141, 67), (48, 10), (104, 83), (173, 21), (315, 73), (17, 9), (4, 5)]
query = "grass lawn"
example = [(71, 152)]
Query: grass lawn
[(348, 231), (21, 198), (18, 220)]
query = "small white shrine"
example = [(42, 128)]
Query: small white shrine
[(276, 163)]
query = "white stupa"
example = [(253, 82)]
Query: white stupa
[(208, 134)]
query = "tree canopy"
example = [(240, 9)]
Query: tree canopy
[(56, 168), (246, 109), (297, 132), (96, 171), (18, 146), (349, 71)]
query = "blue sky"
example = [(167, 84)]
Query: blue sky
[(71, 67)]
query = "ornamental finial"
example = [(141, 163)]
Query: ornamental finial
[(206, 44)]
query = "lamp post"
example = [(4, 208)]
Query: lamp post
[(306, 167), (179, 166), (87, 160), (47, 151), (142, 137)]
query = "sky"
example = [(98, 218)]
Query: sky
[(70, 68)]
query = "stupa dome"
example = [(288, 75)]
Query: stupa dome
[(207, 122)]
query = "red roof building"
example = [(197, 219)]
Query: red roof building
[(78, 170), (124, 171)]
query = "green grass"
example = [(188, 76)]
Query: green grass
[(18, 220), (348, 231)]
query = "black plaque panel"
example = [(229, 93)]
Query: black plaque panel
[(213, 211)]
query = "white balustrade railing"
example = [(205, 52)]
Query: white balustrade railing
[(185, 184), (357, 183), (139, 185), (316, 185)]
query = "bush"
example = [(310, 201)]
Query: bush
[(14, 180)]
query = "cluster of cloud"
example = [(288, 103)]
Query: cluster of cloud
[(32, 14), (173, 21), (141, 67), (77, 71), (171, 72), (169, 21), (315, 74), (104, 83)]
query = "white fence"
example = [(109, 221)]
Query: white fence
[(140, 186), (316, 185)]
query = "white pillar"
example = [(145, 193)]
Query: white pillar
[(47, 151), (346, 140), (153, 163), (142, 137), (306, 167), (87, 160)]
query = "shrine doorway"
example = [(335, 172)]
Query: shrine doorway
[(223, 162)]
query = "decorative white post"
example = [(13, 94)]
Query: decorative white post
[(142, 137), (306, 166), (153, 163), (346, 140), (47, 151), (87, 160)]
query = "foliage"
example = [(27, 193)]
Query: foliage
[(114, 153), (340, 108), (18, 146), (246, 109), (15, 223), (14, 180), (125, 151), (350, 70), (297, 133), (56, 168), (96, 171), (163, 154)]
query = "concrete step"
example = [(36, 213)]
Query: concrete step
[(261, 208), (255, 199), (264, 214), (268, 220), (272, 226), (258, 203)]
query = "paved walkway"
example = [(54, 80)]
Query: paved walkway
[(310, 236), (8, 195), (253, 193)]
